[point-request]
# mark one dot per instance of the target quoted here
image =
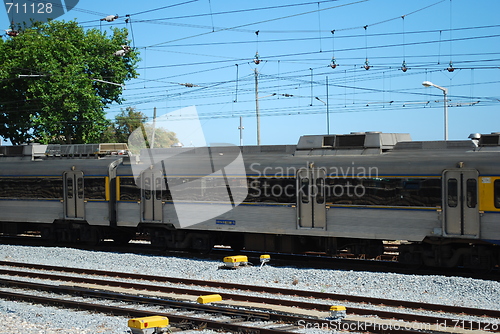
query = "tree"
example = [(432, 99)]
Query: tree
[(126, 122), (129, 120), (60, 99)]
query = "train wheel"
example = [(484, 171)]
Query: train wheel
[(236, 242), (92, 236), (202, 243), (122, 237), (159, 239), (480, 260), (410, 256), (48, 234)]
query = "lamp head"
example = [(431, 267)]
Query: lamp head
[(427, 84)]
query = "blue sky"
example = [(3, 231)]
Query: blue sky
[(211, 44)]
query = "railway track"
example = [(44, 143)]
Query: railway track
[(282, 304), (179, 322), (238, 321)]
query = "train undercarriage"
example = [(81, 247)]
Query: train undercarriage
[(444, 253)]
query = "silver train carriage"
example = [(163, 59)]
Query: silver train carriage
[(441, 199), (65, 192)]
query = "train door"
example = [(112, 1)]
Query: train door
[(151, 196), (460, 203), (74, 204), (311, 207)]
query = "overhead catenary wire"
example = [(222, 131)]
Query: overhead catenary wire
[(298, 39), (388, 68), (211, 15), (258, 22), (281, 56)]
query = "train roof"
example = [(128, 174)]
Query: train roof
[(37, 151), (395, 155), (55, 167), (390, 153)]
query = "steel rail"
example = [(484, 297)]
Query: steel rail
[(177, 320), (246, 315), (246, 298), (267, 289)]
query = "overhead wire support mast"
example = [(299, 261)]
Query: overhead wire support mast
[(257, 110), (257, 104), (241, 128)]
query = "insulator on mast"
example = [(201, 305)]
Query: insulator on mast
[(333, 63), (403, 67), (257, 59), (110, 18), (367, 65), (451, 68)]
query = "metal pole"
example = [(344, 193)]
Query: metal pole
[(445, 91), (154, 129), (327, 110), (241, 131), (257, 105)]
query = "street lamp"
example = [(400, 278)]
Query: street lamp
[(327, 113), (44, 75), (445, 92)]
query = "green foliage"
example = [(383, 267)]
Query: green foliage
[(126, 122), (61, 103), (129, 120)]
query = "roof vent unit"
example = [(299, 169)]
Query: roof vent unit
[(312, 142), (490, 140), (354, 143), (350, 141), (86, 150), (11, 151), (33, 151), (436, 145)]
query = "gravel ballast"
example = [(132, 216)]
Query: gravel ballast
[(456, 291)]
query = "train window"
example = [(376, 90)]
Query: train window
[(158, 188), (471, 193), (384, 191), (497, 194), (278, 190), (31, 187), (129, 191), (320, 191), (411, 184), (147, 188), (94, 188), (452, 193), (79, 187), (304, 190), (69, 186)]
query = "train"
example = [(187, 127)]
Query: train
[(438, 200)]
